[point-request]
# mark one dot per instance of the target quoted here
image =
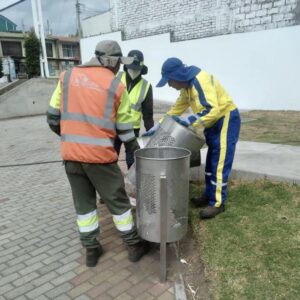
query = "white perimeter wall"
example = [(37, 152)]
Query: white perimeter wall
[(97, 24), (260, 70)]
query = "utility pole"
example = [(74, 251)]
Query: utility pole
[(78, 12), (48, 27), (42, 32), (23, 26), (39, 31)]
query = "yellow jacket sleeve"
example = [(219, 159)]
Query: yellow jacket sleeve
[(56, 96), (53, 112)]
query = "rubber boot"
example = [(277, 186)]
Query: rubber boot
[(136, 251), (203, 200), (211, 211), (92, 256)]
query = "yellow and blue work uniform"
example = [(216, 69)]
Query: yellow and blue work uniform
[(215, 110)]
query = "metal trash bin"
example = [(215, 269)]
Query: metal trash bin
[(162, 196), (170, 133), (173, 165)]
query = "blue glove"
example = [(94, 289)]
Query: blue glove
[(184, 122), (151, 131), (192, 119)]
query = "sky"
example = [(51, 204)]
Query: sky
[(61, 14)]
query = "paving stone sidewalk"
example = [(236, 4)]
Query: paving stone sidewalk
[(40, 253)]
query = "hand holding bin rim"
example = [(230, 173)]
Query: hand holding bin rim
[(173, 164), (171, 133)]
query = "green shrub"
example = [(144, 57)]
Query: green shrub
[(32, 48)]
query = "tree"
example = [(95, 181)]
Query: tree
[(32, 48)]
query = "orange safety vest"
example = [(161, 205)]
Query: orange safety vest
[(89, 103)]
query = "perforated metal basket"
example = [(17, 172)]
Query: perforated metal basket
[(172, 165), (170, 133)]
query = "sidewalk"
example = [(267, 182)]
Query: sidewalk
[(254, 161), (40, 253)]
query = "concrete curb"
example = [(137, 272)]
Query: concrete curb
[(197, 173), (179, 288), (256, 161)]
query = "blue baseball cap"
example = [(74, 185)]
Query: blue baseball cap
[(138, 62), (173, 68)]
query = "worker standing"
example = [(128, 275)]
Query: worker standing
[(215, 110), (88, 108), (141, 99)]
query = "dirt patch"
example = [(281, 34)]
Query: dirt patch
[(187, 261)]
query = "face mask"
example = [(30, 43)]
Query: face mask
[(133, 73)]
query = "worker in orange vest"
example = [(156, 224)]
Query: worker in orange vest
[(88, 109)]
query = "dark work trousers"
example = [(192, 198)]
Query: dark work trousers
[(221, 140), (85, 179), (128, 154)]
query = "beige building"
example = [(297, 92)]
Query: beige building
[(62, 52)]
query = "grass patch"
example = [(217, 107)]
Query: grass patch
[(278, 127), (252, 251)]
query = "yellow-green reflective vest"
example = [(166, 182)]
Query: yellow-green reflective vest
[(137, 95)]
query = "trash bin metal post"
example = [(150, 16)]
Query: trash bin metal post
[(163, 228)]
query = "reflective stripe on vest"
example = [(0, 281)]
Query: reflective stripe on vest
[(105, 123), (88, 222), (126, 137), (137, 106), (110, 101), (124, 222), (119, 76), (73, 138), (66, 90), (53, 111), (124, 126)]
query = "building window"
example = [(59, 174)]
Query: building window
[(49, 49), (70, 50), (11, 48), (54, 68)]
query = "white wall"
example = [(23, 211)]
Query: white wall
[(260, 70), (97, 24)]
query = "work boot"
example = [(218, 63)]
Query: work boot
[(136, 251), (92, 255), (203, 200), (211, 211)]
